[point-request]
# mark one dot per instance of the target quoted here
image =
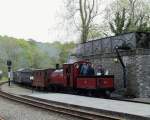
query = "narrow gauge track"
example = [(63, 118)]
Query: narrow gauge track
[(59, 109), (1, 118), (71, 110), (128, 100)]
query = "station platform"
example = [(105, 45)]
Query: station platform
[(139, 109), (98, 103)]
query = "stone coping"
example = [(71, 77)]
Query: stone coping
[(139, 51)]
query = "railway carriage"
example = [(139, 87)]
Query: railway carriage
[(42, 77), (22, 76)]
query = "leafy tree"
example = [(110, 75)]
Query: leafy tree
[(25, 54), (9, 50), (96, 31), (118, 25), (65, 50), (136, 11)]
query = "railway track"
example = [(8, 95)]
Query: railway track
[(113, 98), (59, 109), (130, 100), (71, 110), (1, 118)]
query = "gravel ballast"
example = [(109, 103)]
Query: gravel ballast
[(11, 110)]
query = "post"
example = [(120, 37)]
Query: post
[(125, 77), (31, 78), (9, 70), (124, 68)]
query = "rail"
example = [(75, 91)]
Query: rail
[(59, 109), (1, 118), (71, 110)]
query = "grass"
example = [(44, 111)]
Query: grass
[(3, 79)]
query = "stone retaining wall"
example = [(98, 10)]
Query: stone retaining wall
[(137, 62)]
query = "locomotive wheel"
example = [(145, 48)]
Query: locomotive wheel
[(56, 89), (50, 88), (108, 94), (89, 93)]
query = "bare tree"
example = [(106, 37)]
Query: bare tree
[(139, 15), (132, 8), (83, 13)]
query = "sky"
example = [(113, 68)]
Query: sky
[(28, 18), (31, 19)]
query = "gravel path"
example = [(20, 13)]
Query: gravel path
[(11, 110), (16, 89)]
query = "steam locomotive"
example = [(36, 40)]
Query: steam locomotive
[(68, 79)]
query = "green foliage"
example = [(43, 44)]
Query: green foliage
[(119, 24), (65, 49), (141, 26), (3, 79), (136, 14), (95, 31), (33, 54)]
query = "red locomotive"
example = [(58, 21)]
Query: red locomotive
[(70, 78)]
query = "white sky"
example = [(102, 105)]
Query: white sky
[(27, 19)]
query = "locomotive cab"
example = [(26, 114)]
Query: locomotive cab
[(76, 79), (71, 72), (72, 78)]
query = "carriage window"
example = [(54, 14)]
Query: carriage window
[(67, 71), (80, 69), (46, 74), (76, 66)]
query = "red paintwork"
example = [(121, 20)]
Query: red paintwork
[(95, 82), (42, 77), (86, 83), (38, 80), (70, 77), (106, 82), (57, 78), (71, 72)]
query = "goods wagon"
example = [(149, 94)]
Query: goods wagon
[(42, 77), (22, 76)]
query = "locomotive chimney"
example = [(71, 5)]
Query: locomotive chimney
[(57, 66)]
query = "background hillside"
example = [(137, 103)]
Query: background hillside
[(33, 54)]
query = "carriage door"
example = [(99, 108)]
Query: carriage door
[(67, 75)]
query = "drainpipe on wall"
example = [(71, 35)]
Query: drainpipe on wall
[(123, 66)]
